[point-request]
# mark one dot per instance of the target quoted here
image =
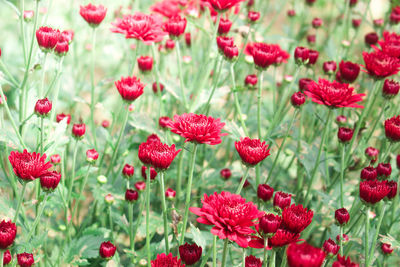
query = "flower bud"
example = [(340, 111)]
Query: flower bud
[(372, 153), (345, 134), (330, 247), (128, 171), (25, 259), (371, 38), (225, 173), (140, 186), (390, 88), (253, 16), (131, 195), (345, 238), (329, 67), (297, 99), (170, 194), (224, 26), (341, 120), (43, 107), (342, 216), (154, 87), (316, 23), (384, 170), (28, 15), (50, 180), (282, 200), (78, 130), (393, 189), (91, 156), (153, 173), (270, 223), (251, 81), (55, 159), (145, 63), (386, 248), (369, 173), (101, 179), (109, 199), (190, 254), (264, 192), (169, 45), (107, 250)]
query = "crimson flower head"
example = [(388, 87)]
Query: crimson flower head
[(253, 16), (92, 155), (224, 26), (197, 128), (128, 171), (265, 55), (163, 122), (393, 189), (299, 255), (384, 170), (386, 248), (143, 27), (264, 192), (169, 45), (329, 67), (25, 259), (390, 44), (43, 107), (55, 159), (380, 65), (62, 116), (167, 8), (47, 38), (331, 247), (372, 192), (50, 180), (348, 71), (223, 5), (371, 38), (190, 253), (392, 128), (28, 166), (225, 173), (145, 63), (93, 15), (316, 23), (170, 193), (163, 260), (369, 173), (342, 261), (345, 134), (230, 215), (282, 238), (78, 130), (390, 88), (7, 257), (8, 232), (297, 99), (269, 223), (251, 81), (140, 186), (155, 89), (342, 216), (303, 83), (301, 54), (157, 154), (223, 41), (231, 53), (252, 151), (175, 26), (296, 218), (333, 94), (62, 46), (130, 88), (252, 261), (395, 15), (131, 195), (153, 173), (372, 153), (107, 250), (68, 35), (282, 200)]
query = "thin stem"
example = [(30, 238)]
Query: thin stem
[(130, 218), (214, 86), (41, 135), (111, 221), (224, 253), (215, 251), (148, 217), (72, 178), (237, 105), (366, 250), (342, 167), (92, 90), (244, 45), (182, 84), (317, 161), (298, 151), (157, 74), (378, 227), (8, 74), (188, 193), (37, 219), (132, 68), (21, 24), (239, 189), (164, 208), (272, 264), (341, 240), (115, 152), (41, 87), (138, 221), (281, 146), (21, 197), (259, 104), (244, 257), (265, 258), (1, 257), (179, 178), (387, 152), (83, 184)]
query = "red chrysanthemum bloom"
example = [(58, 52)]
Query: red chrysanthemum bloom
[(231, 216), (190, 253), (392, 128), (43, 107), (25, 259), (331, 247), (163, 122), (128, 171), (348, 71), (265, 55), (130, 88), (166, 8), (386, 248), (282, 200), (78, 130), (8, 232), (344, 262), (380, 65), (252, 151), (264, 192), (198, 128), (342, 216), (175, 26), (373, 191), (62, 116), (333, 94), (28, 166), (47, 38), (50, 180), (143, 27), (224, 41), (145, 63), (296, 218), (7, 257), (169, 260), (62, 46), (157, 154), (170, 193), (223, 5), (390, 44), (140, 186), (224, 26), (282, 238), (131, 195), (107, 250), (93, 15), (301, 255), (384, 170), (153, 173), (252, 261), (68, 35), (269, 223)]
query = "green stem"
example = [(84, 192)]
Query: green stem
[(215, 251), (244, 46), (132, 68), (72, 178), (215, 83), (164, 208), (21, 197), (281, 146), (41, 135), (41, 87), (298, 151), (148, 183), (375, 124), (188, 193), (37, 219), (83, 184), (115, 152), (342, 175), (387, 152), (111, 221), (341, 240), (1, 257), (378, 227), (244, 257), (237, 105), (179, 178), (273, 257), (366, 250), (92, 90), (157, 72), (181, 81), (224, 253), (21, 25), (239, 189), (259, 104), (265, 258), (317, 161), (130, 218), (8, 74)]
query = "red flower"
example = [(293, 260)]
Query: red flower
[(369, 173), (198, 128), (190, 254), (297, 99), (269, 223), (175, 26), (143, 27), (345, 134), (107, 250), (157, 154), (145, 63), (371, 38), (392, 128), (169, 260), (282, 238), (333, 94), (384, 170), (68, 35), (379, 65), (163, 122), (390, 44), (343, 262), (225, 173), (390, 88), (154, 87), (28, 166), (222, 5), (300, 255), (303, 84), (167, 8), (386, 249), (348, 71), (170, 193), (43, 107), (131, 195), (153, 173), (224, 26), (47, 38), (231, 216), (93, 15), (329, 67), (393, 189), (223, 41), (128, 171), (231, 52), (251, 81), (265, 55), (140, 186), (252, 261), (264, 192), (78, 130), (373, 191), (301, 54), (395, 15), (62, 46), (25, 259), (92, 155), (296, 218), (62, 116), (342, 216), (282, 200), (50, 180), (55, 159), (7, 257), (253, 16), (252, 151), (331, 247), (130, 88), (8, 231), (372, 153)]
